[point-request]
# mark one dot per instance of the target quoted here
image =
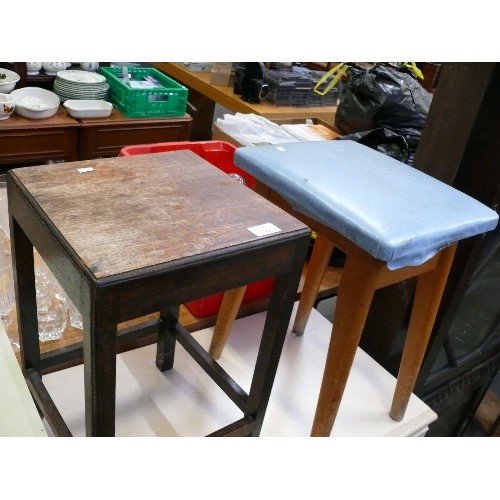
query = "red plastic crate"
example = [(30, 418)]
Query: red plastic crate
[(209, 306), (220, 154)]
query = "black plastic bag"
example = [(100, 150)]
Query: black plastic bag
[(384, 97), (385, 141)]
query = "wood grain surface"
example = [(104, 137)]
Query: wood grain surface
[(133, 212)]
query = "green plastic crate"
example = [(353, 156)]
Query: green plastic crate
[(169, 99)]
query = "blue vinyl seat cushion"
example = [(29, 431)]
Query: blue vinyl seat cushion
[(393, 211)]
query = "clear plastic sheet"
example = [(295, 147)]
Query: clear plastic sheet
[(252, 130)]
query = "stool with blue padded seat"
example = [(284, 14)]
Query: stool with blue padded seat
[(392, 221)]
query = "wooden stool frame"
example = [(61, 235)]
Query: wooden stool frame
[(107, 298), (361, 276)]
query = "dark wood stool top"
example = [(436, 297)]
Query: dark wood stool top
[(140, 211), (130, 236)]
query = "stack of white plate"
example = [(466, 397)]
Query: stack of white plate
[(78, 84)]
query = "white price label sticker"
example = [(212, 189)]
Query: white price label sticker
[(264, 229)]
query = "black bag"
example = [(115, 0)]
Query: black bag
[(383, 97), (383, 140)]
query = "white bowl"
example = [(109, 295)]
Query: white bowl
[(7, 105), (8, 80), (33, 68), (36, 103), (88, 108)]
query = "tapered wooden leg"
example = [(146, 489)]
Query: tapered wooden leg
[(322, 251), (229, 308), (355, 293), (428, 293)]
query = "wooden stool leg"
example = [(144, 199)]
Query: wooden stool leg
[(322, 251), (165, 345), (354, 297), (227, 314), (428, 293)]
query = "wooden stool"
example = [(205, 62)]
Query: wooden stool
[(136, 235), (393, 222)]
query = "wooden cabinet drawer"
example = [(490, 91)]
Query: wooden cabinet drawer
[(38, 146), (26, 142), (104, 139)]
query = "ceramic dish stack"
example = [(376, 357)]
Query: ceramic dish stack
[(77, 84)]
